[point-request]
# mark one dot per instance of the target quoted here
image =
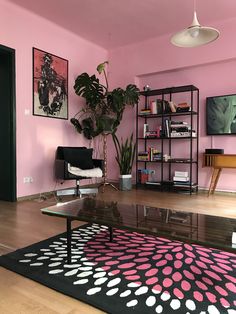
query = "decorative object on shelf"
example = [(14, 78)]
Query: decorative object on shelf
[(195, 35), (146, 88), (104, 109), (125, 153), (50, 85)]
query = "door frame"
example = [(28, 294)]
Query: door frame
[(11, 53)]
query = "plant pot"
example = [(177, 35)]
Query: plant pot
[(125, 181)]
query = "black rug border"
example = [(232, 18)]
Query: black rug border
[(7, 262)]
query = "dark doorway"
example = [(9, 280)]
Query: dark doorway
[(7, 125)]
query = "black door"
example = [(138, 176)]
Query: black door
[(7, 125)]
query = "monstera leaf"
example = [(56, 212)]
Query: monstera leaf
[(89, 88)]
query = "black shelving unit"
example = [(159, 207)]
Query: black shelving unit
[(167, 144)]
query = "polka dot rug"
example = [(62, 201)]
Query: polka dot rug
[(136, 273)]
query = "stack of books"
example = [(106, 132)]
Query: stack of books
[(181, 178), (145, 111)]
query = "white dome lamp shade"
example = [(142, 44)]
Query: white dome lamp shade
[(195, 35)]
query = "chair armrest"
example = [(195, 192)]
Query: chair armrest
[(99, 163)]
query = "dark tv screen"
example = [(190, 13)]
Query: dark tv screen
[(221, 115)]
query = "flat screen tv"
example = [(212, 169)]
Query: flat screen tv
[(221, 115)]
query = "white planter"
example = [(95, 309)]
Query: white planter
[(125, 181)]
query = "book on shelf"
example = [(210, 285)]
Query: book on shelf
[(153, 107), (145, 129), (172, 106), (145, 111), (181, 174), (153, 182), (181, 179), (183, 134)]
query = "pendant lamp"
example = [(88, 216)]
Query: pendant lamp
[(195, 35)]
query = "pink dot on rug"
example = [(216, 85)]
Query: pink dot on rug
[(130, 272), (178, 264), (169, 257), (225, 303), (198, 296), (201, 285), (201, 264), (177, 249), (189, 275), (112, 263), (144, 266), (161, 263), (230, 286), (221, 291), (211, 297), (167, 282), (212, 275), (151, 272), (178, 293), (188, 260), (188, 247), (151, 281), (177, 276), (157, 288), (114, 272), (195, 270), (233, 279), (158, 256), (179, 255), (134, 277), (126, 265), (167, 270), (126, 257), (141, 260), (185, 285)]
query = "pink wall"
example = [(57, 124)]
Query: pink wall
[(159, 64), (38, 137)]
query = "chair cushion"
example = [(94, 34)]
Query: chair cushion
[(80, 158)]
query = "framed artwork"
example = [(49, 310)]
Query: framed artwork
[(50, 85)]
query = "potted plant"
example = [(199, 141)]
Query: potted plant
[(104, 109), (125, 153)]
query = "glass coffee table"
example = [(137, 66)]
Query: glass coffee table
[(211, 231)]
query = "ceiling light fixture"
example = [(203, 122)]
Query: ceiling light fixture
[(195, 35)]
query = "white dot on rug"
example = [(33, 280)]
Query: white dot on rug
[(190, 305), (80, 282), (113, 282), (132, 303), (125, 293), (151, 301), (100, 274), (71, 272), (141, 290), (159, 309), (100, 281), (165, 296), (112, 291), (175, 304), (212, 309), (93, 290)]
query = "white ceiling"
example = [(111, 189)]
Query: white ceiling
[(113, 23)]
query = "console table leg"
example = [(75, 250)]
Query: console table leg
[(214, 179), (111, 234), (68, 232)]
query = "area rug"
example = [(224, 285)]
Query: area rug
[(135, 273)]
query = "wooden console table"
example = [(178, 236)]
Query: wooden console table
[(218, 162)]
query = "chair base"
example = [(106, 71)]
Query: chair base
[(77, 191)]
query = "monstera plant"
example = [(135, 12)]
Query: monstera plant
[(104, 109)]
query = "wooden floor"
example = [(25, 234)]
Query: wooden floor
[(22, 224)]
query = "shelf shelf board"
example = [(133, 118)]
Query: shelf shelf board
[(179, 161), (170, 114), (169, 90), (167, 138)]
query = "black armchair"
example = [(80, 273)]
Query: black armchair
[(80, 157)]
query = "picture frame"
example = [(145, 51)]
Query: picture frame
[(221, 115), (50, 85)]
